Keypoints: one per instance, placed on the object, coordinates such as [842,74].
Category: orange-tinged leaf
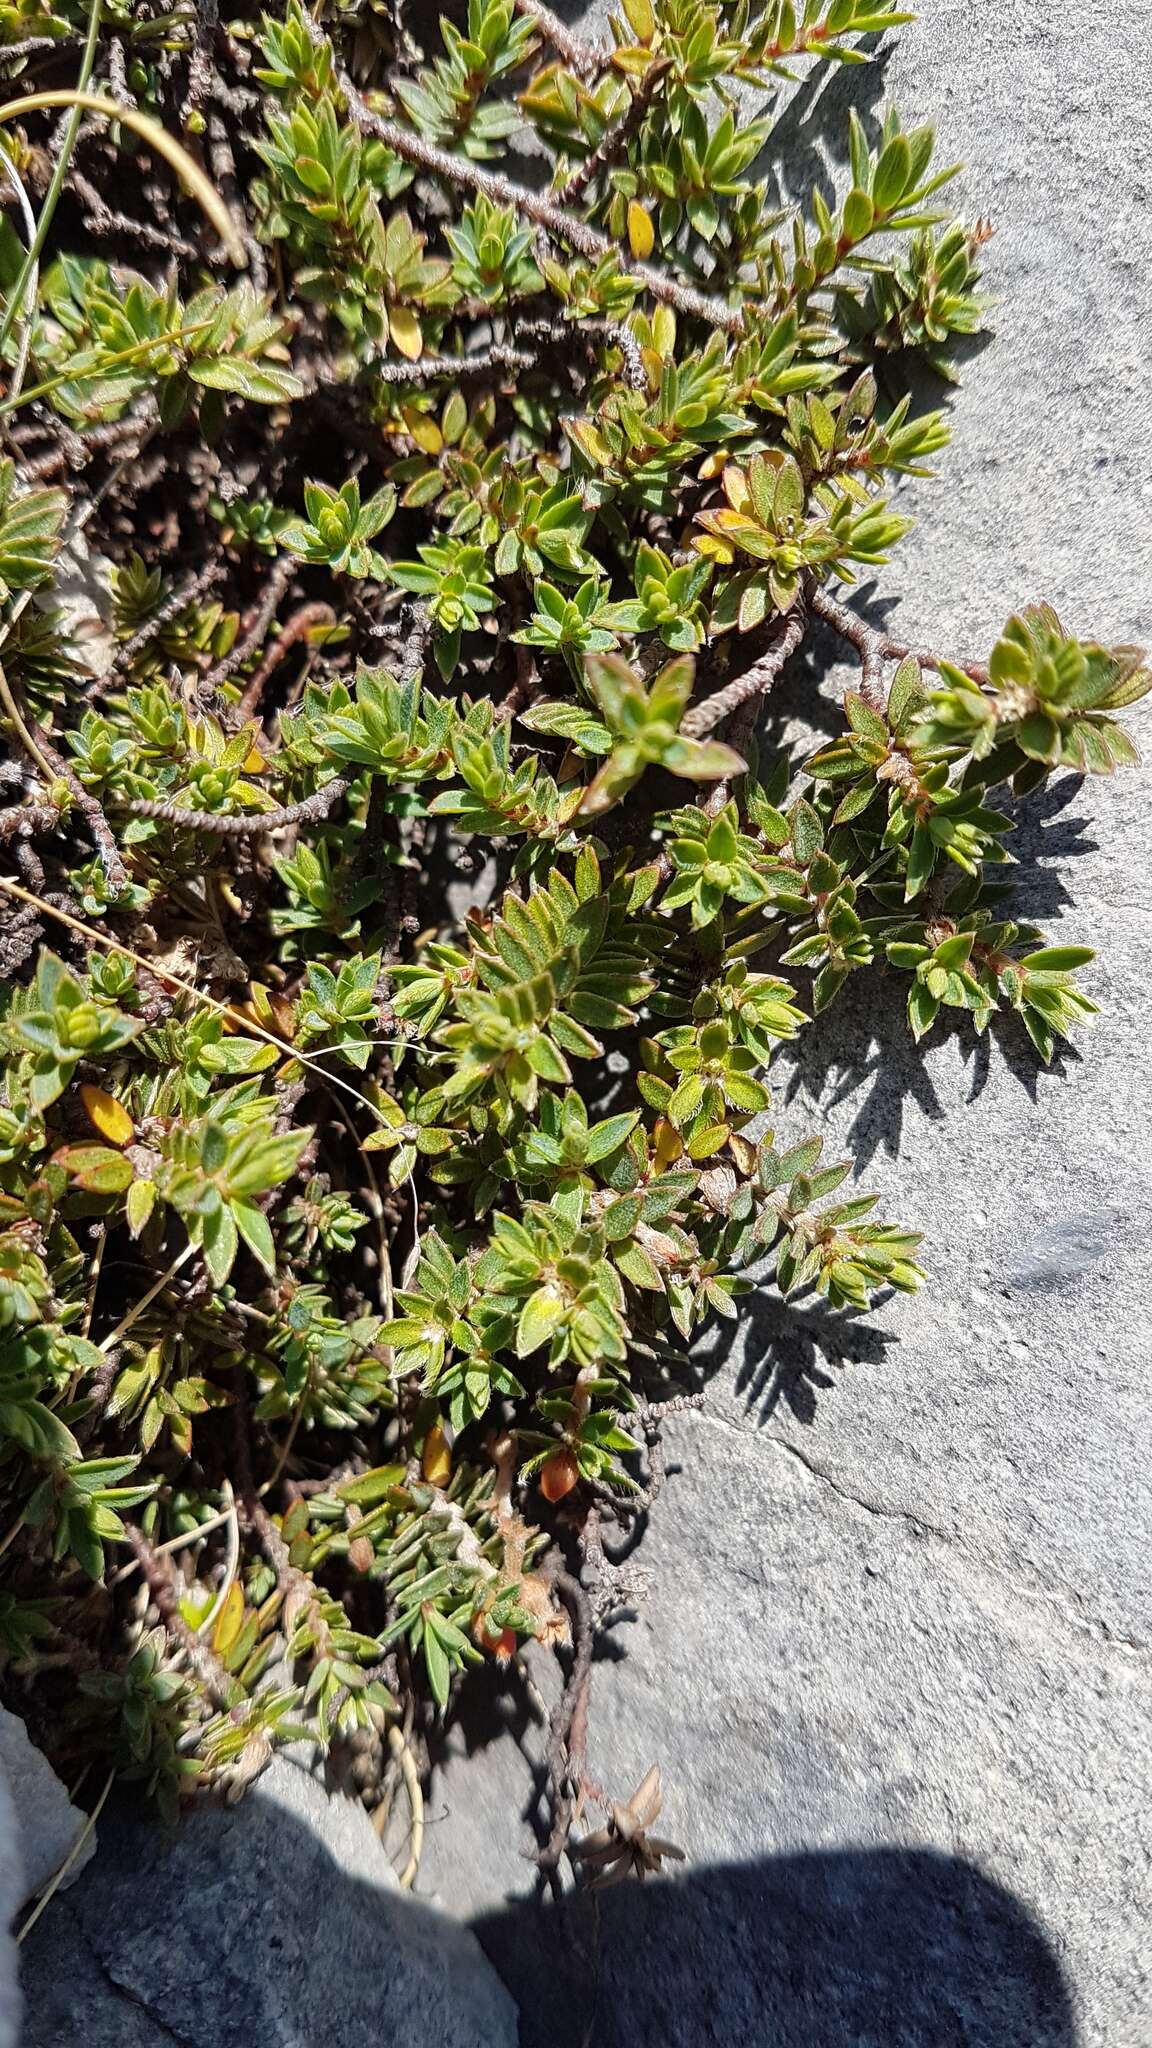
[436,1458]
[95,1168]
[405,330]
[106,1115]
[736,488]
[499,1642]
[559,1474]
[641,233]
[254,763]
[284,1014]
[269,1009]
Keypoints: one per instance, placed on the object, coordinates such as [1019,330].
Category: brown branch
[703,718]
[233,825]
[102,219]
[291,633]
[223,168]
[562,333]
[118,74]
[27,821]
[615,139]
[868,642]
[568,1730]
[525,687]
[204,1664]
[976,671]
[279,578]
[503,355]
[77,451]
[580,56]
[657,1411]
[30,47]
[200,62]
[876,647]
[578,234]
[178,601]
[500,356]
[740,735]
[91,810]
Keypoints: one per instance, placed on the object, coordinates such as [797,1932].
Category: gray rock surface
[11,1893]
[896,1662]
[38,1826]
[277,1924]
[46,1822]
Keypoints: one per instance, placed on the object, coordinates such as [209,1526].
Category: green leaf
[906,696]
[220,1241]
[40,1432]
[437,1666]
[261,384]
[703,760]
[97,1168]
[892,174]
[1058,959]
[921,861]
[256,1231]
[807,832]
[539,1317]
[605,1137]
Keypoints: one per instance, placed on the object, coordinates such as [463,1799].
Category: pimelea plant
[401,532]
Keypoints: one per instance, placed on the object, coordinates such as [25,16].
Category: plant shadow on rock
[812,1949]
[790,1355]
[804,1949]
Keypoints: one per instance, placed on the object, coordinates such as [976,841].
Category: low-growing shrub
[418,473]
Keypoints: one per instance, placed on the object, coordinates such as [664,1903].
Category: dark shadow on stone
[841,1948]
[862,1047]
[791,1354]
[808,145]
[1046,837]
[241,1928]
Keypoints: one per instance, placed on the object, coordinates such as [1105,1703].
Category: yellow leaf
[404,328]
[641,233]
[669,1145]
[436,1459]
[140,1204]
[633,60]
[107,1116]
[254,763]
[641,19]
[664,330]
[736,488]
[424,431]
[230,1620]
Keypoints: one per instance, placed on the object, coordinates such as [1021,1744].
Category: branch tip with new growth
[546,213]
